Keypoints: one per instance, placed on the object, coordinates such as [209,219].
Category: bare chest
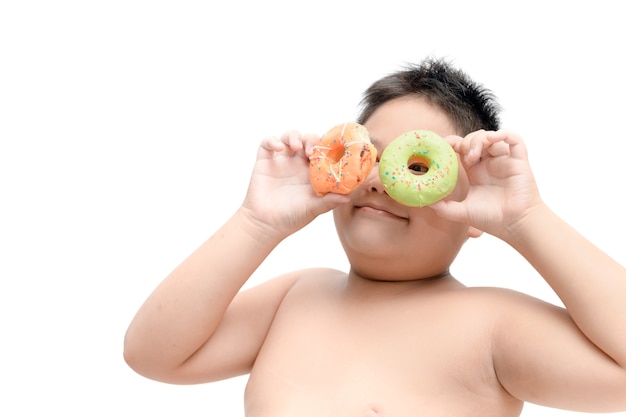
[386,360]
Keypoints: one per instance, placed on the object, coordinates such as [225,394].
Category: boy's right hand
[280,199]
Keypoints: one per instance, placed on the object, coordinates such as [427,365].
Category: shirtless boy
[397,335]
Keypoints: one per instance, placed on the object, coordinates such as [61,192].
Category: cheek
[337,215]
[440,239]
[341,217]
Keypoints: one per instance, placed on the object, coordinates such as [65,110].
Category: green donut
[418,168]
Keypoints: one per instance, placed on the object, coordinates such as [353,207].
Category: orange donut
[342,159]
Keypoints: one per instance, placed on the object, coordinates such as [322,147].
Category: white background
[128,130]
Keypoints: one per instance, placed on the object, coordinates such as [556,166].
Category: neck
[358,285]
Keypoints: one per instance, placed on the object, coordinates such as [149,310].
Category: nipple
[372,411]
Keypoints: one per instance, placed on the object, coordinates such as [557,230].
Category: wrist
[262,232]
[530,226]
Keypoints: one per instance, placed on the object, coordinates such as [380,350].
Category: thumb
[327,202]
[451,210]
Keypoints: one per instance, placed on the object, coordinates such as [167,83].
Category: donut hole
[335,154]
[418,165]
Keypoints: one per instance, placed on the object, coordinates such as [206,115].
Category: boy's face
[384,239]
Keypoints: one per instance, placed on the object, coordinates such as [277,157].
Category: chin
[383,273]
[391,266]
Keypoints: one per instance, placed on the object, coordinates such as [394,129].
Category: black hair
[469,105]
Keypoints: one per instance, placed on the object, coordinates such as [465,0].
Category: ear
[473,232]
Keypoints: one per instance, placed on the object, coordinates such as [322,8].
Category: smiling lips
[379,210]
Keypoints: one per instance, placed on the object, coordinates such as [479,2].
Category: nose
[372,181]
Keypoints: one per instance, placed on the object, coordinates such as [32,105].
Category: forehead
[401,115]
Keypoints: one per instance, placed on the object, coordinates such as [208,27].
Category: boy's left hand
[501,188]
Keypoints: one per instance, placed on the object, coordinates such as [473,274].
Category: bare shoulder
[505,299]
[279,286]
[321,278]
[513,315]
[263,301]
[517,315]
[245,324]
[271,294]
[311,285]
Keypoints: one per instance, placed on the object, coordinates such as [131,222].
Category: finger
[480,146]
[514,143]
[269,146]
[452,210]
[498,149]
[327,202]
[293,140]
[517,146]
[454,141]
[472,147]
[310,140]
[464,145]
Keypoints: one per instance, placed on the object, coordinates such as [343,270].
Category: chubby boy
[396,335]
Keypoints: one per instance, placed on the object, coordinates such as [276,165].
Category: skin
[397,335]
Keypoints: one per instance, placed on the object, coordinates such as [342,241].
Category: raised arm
[573,358]
[196,326]
[591,284]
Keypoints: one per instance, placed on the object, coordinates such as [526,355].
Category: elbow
[140,359]
[145,363]
[139,362]
[134,357]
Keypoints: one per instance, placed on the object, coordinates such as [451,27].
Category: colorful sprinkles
[413,189]
[342,159]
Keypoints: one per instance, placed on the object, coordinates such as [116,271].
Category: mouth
[373,209]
